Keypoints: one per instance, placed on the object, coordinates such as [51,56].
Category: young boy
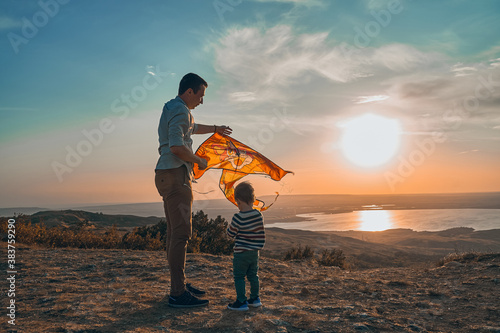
[247,227]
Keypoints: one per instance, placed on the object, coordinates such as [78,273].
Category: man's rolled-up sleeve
[178,127]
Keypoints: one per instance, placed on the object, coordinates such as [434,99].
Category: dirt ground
[92,291]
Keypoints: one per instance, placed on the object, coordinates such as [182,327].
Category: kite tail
[264,207]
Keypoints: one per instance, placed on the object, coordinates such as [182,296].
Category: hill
[390,248]
[20,210]
[106,291]
[98,220]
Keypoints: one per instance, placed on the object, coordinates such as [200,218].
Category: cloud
[425,89]
[243,96]
[277,57]
[269,62]
[315,78]
[400,57]
[460,70]
[370,99]
[495,63]
[468,151]
[438,100]
[481,85]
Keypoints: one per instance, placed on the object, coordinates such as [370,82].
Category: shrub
[208,235]
[460,257]
[159,229]
[333,257]
[299,253]
[111,238]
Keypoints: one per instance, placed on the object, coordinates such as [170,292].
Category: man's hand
[223,130]
[202,163]
[185,154]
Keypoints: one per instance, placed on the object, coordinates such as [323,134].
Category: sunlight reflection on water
[375,220]
[372,218]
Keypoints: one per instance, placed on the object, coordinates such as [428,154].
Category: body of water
[416,219]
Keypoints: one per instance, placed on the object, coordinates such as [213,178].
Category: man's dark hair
[244,192]
[192,81]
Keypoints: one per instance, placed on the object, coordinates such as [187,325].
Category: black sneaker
[254,302]
[193,290]
[186,300]
[238,306]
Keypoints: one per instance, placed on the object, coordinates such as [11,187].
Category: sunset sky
[354,97]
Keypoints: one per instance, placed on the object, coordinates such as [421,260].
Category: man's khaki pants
[174,185]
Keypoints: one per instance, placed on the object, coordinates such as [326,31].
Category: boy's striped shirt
[248,229]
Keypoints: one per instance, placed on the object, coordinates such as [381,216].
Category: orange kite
[236,161]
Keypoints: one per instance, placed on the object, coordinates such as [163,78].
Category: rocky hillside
[93,291]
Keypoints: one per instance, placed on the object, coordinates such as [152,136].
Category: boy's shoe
[254,302]
[186,300]
[238,306]
[194,290]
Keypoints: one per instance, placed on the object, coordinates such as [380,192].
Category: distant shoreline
[297,209]
[379,220]
[9,212]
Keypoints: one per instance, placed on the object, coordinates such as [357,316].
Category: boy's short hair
[244,192]
[192,81]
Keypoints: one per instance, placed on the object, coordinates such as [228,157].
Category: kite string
[203,192]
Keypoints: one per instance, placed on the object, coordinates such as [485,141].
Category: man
[173,180]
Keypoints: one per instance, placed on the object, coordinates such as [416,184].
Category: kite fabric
[236,161]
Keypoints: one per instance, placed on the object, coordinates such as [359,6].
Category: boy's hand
[202,163]
[223,130]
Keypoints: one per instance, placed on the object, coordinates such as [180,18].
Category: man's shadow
[150,317]
[159,311]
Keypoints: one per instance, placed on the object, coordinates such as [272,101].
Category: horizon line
[83,205]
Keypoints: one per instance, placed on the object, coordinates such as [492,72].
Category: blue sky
[108,67]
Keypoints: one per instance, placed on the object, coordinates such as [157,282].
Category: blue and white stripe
[248,230]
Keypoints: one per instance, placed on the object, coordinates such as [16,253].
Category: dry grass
[75,290]
[463,257]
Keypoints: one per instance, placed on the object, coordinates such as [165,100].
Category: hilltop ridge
[71,217]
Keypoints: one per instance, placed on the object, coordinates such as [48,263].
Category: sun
[370,140]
